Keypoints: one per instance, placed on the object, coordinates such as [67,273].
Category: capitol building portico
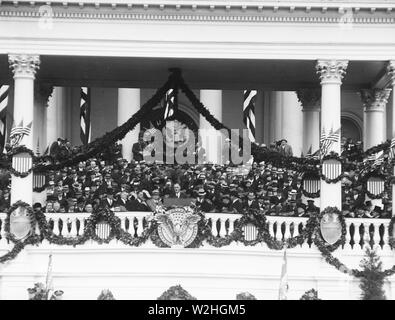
[317,66]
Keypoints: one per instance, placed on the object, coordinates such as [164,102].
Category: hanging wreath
[106,216]
[257,220]
[29,215]
[20,174]
[318,238]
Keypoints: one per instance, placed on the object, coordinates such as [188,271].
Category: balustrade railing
[360,232]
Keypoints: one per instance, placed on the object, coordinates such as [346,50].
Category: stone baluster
[287,232]
[358,237]
[73,230]
[140,228]
[82,226]
[376,234]
[56,230]
[295,226]
[123,222]
[222,228]
[231,225]
[366,236]
[347,244]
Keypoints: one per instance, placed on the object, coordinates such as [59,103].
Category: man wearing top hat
[203,203]
[236,205]
[108,201]
[250,203]
[155,201]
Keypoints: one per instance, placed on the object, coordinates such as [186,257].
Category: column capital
[24,65]
[309,98]
[331,71]
[391,71]
[374,99]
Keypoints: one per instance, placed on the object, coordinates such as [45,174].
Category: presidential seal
[331,228]
[177,227]
[21,221]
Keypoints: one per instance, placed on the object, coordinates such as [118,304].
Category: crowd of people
[112,182]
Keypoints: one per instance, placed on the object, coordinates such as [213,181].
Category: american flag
[49,278]
[85,115]
[392,150]
[4,93]
[326,141]
[170,104]
[18,132]
[379,159]
[283,291]
[249,112]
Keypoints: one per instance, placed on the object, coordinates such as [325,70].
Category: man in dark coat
[137,149]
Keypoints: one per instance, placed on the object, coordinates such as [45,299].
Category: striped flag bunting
[250,232]
[249,112]
[326,141]
[170,104]
[85,115]
[312,185]
[331,169]
[4,94]
[22,162]
[375,186]
[283,291]
[18,132]
[38,180]
[103,230]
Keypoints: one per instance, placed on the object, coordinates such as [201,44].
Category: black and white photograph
[212,150]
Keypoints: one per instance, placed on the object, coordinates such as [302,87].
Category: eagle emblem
[178,227]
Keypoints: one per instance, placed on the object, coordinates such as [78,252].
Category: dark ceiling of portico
[199,73]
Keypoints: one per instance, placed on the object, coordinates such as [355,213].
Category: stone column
[24,68]
[128,104]
[374,103]
[41,95]
[310,100]
[211,138]
[391,74]
[56,115]
[291,121]
[331,73]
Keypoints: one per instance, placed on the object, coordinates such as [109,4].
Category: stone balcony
[208,272]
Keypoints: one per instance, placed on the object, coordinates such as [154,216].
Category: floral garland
[256,219]
[99,144]
[21,149]
[40,189]
[311,194]
[319,241]
[329,258]
[205,234]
